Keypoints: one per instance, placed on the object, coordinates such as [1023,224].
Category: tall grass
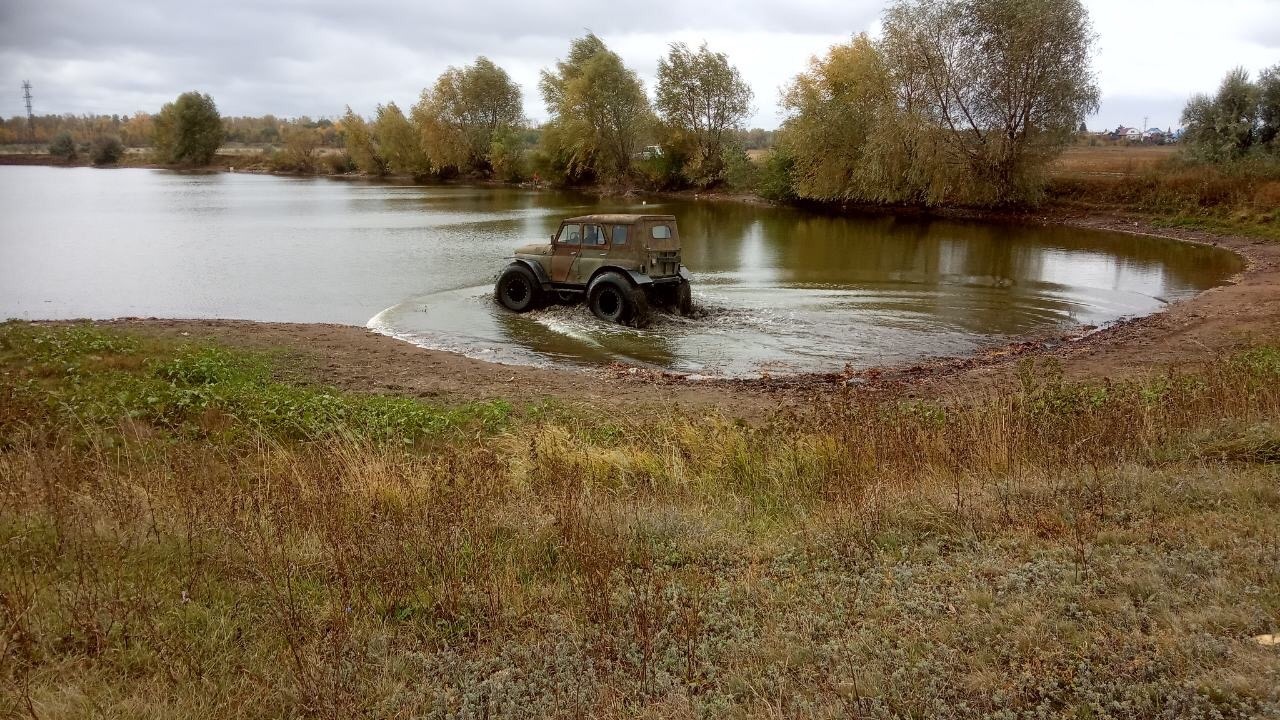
[1049,549]
[1243,196]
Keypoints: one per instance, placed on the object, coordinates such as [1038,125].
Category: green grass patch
[94,378]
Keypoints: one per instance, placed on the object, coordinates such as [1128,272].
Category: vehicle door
[564,252]
[595,252]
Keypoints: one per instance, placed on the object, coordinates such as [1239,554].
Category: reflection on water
[781,290]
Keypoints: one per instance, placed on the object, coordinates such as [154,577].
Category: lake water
[782,290]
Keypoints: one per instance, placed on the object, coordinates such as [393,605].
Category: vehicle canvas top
[618,219]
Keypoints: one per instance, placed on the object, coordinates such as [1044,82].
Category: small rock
[1272,640]
[856,381]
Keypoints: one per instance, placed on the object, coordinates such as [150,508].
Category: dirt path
[1190,331]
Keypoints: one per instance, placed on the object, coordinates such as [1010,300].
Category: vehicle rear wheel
[518,289]
[684,299]
[613,298]
[674,297]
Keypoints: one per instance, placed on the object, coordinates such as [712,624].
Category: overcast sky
[301,57]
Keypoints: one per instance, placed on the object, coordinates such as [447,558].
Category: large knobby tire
[674,297]
[684,299]
[614,299]
[518,289]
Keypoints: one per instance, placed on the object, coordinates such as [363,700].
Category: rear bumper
[681,276]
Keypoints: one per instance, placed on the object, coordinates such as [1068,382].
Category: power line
[31,119]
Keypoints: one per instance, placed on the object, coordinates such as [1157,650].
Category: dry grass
[1242,198]
[1113,160]
[1049,550]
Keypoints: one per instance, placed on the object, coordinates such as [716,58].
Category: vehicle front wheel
[613,298]
[517,289]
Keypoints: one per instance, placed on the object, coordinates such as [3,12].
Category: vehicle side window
[620,234]
[592,235]
[570,235]
[660,232]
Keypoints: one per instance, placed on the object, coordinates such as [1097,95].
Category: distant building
[1126,133]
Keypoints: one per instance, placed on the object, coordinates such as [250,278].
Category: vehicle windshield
[570,235]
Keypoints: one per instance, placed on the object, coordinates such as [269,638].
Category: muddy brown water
[779,290]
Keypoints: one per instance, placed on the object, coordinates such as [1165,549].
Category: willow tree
[1006,82]
[1243,117]
[703,99]
[467,110]
[361,145]
[834,110]
[399,142]
[598,109]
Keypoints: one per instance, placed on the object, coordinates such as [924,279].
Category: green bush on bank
[63,147]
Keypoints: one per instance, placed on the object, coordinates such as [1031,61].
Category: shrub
[774,178]
[340,163]
[106,150]
[740,173]
[63,147]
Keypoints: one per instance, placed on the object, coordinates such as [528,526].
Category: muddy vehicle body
[621,265]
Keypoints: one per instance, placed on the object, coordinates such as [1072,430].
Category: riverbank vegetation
[963,102]
[1226,176]
[193,531]
[956,103]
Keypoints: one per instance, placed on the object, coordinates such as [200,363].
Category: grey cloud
[293,58]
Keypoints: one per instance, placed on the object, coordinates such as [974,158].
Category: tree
[1242,118]
[361,145]
[704,99]
[1007,81]
[1224,127]
[963,101]
[1269,108]
[106,150]
[834,110]
[63,146]
[138,130]
[466,112]
[506,155]
[301,148]
[598,110]
[399,142]
[188,130]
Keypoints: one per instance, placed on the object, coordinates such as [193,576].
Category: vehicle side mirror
[553,237]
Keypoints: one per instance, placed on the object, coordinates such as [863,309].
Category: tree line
[959,101]
[602,127]
[956,102]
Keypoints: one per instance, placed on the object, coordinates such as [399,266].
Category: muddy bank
[353,358]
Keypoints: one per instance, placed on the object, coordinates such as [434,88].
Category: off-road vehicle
[622,265]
